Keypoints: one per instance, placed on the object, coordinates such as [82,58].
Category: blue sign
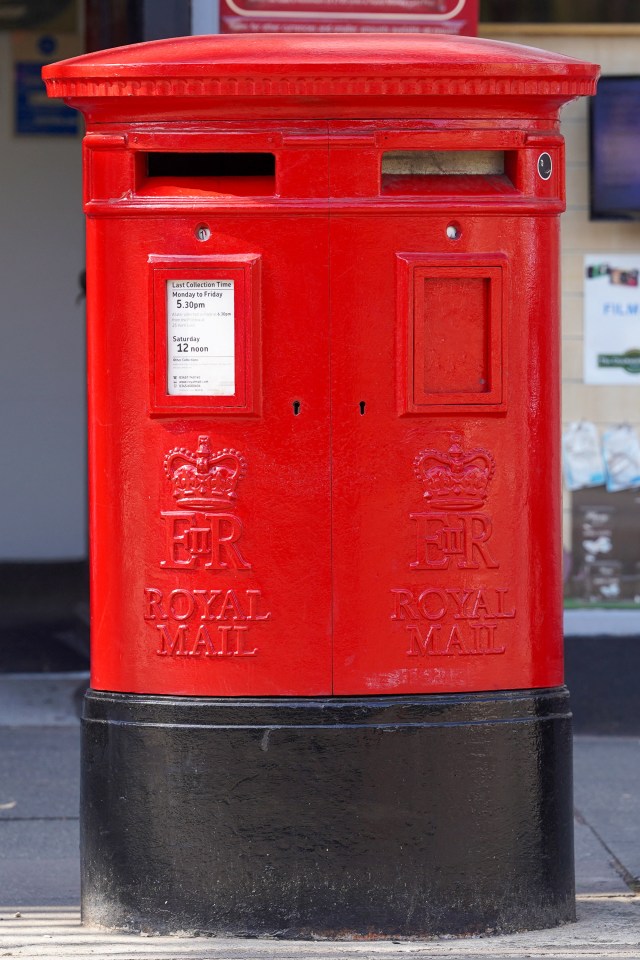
[34,111]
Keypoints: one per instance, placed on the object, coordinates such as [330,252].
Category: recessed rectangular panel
[204,335]
[451,335]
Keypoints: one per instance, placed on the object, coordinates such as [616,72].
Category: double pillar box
[327,688]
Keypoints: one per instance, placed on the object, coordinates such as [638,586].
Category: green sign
[629,361]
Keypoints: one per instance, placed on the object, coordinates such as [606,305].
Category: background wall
[42,380]
[617,50]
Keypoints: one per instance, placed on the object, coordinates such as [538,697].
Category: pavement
[39,869]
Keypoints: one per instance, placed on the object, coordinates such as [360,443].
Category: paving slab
[40,861]
[607,797]
[39,772]
[595,867]
[37,700]
[607,927]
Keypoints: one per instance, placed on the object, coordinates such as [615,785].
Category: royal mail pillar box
[327,690]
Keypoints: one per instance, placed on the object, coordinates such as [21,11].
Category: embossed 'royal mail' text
[450,621]
[204,623]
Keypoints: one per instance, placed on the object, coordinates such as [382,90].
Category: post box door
[442,569]
[224,574]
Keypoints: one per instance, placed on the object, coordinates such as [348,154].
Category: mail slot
[327,685]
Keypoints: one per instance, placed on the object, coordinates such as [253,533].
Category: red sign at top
[349,16]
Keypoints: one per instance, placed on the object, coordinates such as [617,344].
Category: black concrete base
[347,817]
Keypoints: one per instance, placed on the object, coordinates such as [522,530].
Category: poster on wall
[612,319]
[349,16]
[604,566]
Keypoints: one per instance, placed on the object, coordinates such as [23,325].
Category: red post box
[327,689]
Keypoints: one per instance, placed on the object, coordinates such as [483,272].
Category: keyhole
[296,407]
[362,406]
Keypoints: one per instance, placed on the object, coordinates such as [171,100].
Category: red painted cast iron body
[371,505]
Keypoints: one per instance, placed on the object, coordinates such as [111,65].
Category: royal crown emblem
[203,478]
[457,479]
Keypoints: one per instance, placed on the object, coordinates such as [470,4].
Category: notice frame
[232,282]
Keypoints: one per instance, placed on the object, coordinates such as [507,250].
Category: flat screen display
[615,149]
